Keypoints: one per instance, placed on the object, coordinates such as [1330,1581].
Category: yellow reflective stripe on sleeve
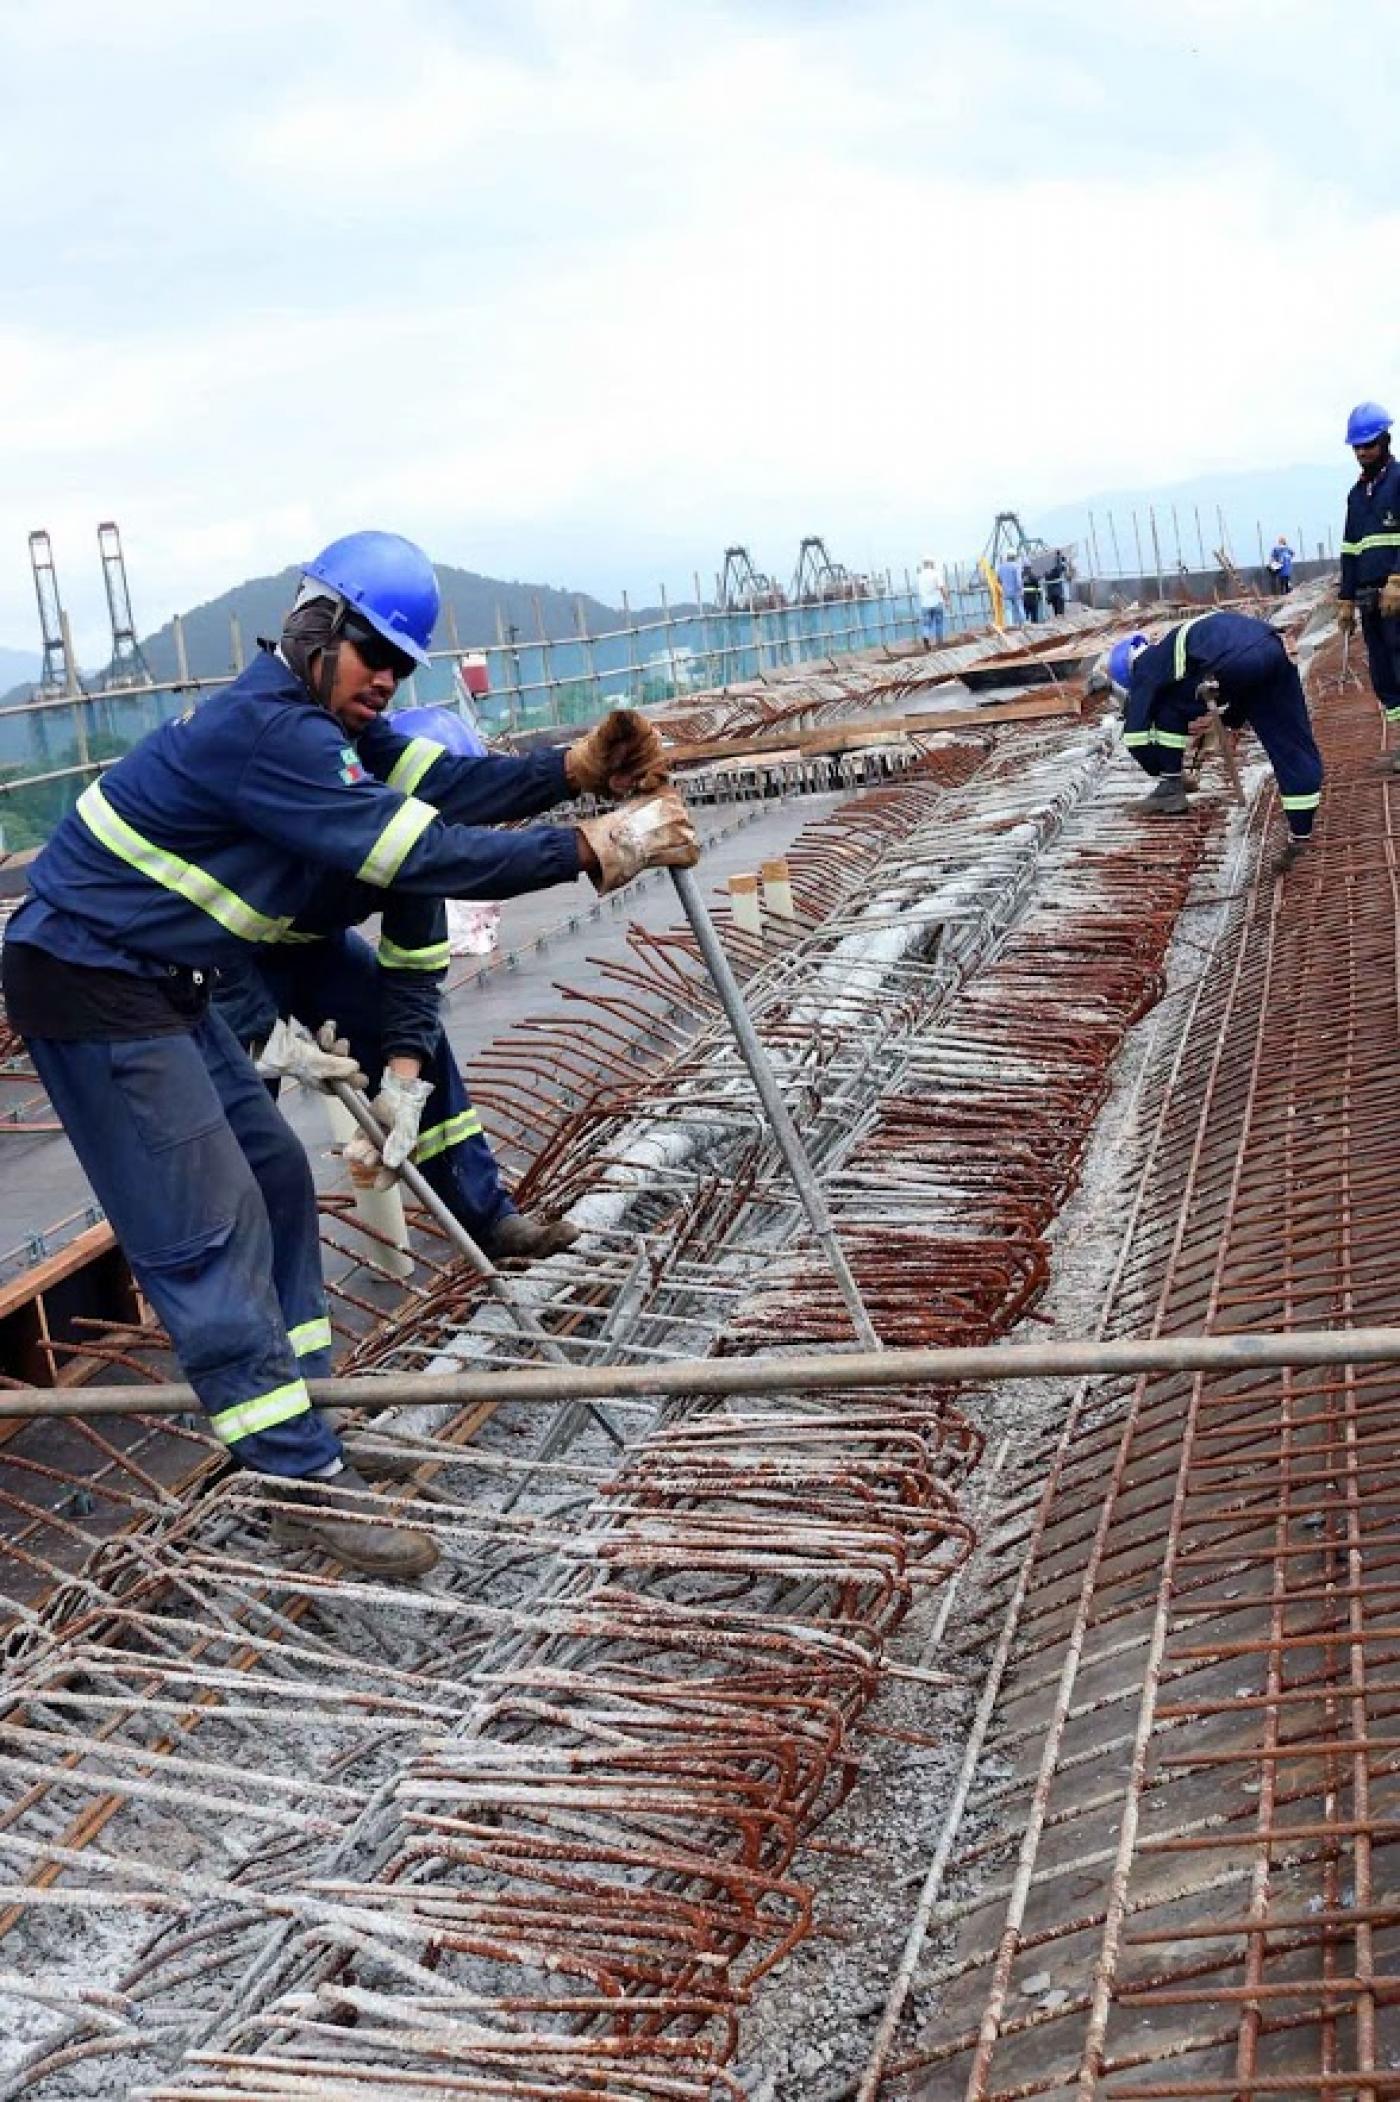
[435,956]
[261,1412]
[1359,547]
[1302,802]
[1179,647]
[293,936]
[438,1137]
[395,843]
[193,884]
[411,764]
[310,1335]
[1174,740]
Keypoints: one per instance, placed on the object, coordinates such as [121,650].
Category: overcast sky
[582,290]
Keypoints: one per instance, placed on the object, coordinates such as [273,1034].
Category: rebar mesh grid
[573,1771]
[1171,1879]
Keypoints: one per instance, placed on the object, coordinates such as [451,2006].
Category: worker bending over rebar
[1257,684]
[208,841]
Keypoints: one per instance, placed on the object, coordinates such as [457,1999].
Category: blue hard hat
[1367,422]
[390,583]
[1120,659]
[443,726]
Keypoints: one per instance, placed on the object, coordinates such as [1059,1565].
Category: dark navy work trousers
[1382,639]
[210,1194]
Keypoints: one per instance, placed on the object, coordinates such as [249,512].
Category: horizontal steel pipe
[720,1377]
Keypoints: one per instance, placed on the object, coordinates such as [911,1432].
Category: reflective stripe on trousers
[261,1412]
[310,1336]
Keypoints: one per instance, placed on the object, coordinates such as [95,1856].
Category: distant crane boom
[60,673]
[128,666]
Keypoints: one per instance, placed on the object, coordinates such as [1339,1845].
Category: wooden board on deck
[852,733]
[89,1276]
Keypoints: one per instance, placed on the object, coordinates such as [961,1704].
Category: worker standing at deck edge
[210,836]
[1371,556]
[1258,684]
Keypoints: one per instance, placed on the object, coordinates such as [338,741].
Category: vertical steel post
[1156,550]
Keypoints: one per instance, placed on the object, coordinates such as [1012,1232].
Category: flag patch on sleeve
[351,770]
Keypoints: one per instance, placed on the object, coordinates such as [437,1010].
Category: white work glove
[293,1053]
[651,834]
[399,1109]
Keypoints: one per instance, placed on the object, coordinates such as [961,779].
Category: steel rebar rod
[794,1153]
[414,1180]
[717,1378]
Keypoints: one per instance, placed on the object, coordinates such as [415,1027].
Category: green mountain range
[475,602]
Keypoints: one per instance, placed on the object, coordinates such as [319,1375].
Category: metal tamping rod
[804,1176]
[417,1184]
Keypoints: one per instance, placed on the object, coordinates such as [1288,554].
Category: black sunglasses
[377,653]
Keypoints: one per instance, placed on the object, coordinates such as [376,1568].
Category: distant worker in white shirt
[933,600]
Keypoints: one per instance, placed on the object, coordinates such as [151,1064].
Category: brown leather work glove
[620,756]
[653,833]
[1390,597]
[1346,615]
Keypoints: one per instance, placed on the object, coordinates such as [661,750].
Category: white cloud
[586,291]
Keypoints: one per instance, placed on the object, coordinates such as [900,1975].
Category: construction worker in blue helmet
[206,842]
[1371,557]
[1254,681]
[387,1003]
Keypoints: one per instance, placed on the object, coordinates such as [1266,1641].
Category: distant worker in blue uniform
[1371,556]
[1257,684]
[387,1003]
[206,842]
[1009,578]
[1281,566]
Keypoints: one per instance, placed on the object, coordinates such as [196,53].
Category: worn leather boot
[522,1238]
[1168,799]
[357,1528]
[1289,855]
